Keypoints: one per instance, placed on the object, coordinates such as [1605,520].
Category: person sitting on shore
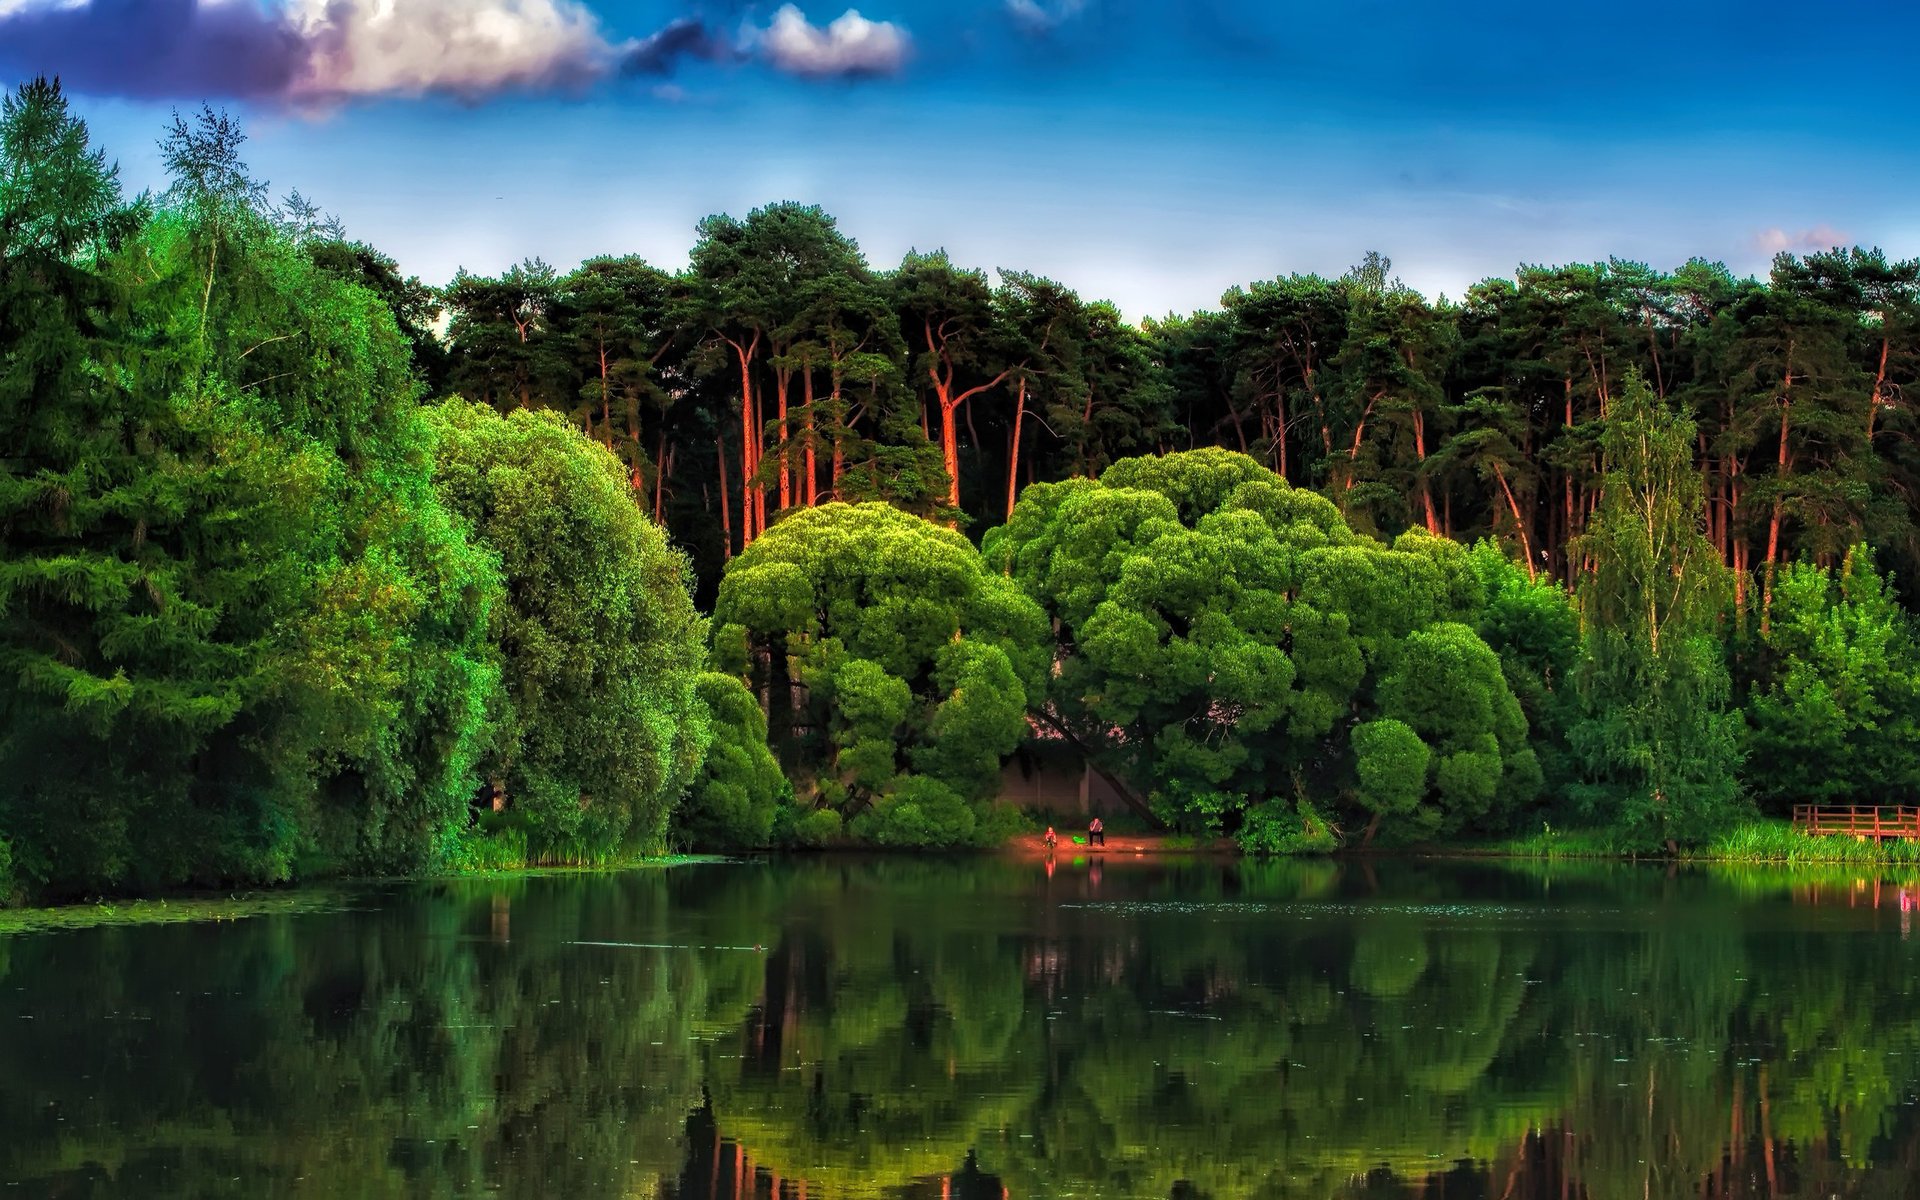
[1051,839]
[1096,833]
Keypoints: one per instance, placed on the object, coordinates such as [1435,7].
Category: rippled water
[982,1027]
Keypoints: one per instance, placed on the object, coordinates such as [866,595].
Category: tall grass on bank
[1757,841]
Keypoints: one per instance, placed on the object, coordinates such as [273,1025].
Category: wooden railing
[1857,821]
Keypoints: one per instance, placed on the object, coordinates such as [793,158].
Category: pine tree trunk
[606,400]
[1280,435]
[1519,523]
[726,517]
[1879,392]
[950,448]
[747,430]
[783,384]
[660,480]
[1783,466]
[1426,485]
[813,477]
[1013,457]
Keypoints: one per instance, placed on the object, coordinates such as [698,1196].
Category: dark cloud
[688,37]
[152,49]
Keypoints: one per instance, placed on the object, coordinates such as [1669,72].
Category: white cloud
[470,47]
[1040,16]
[9,7]
[850,45]
[1776,240]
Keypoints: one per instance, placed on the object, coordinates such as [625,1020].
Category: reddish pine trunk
[783,383]
[1426,486]
[1783,465]
[1567,517]
[950,450]
[941,373]
[813,483]
[1013,458]
[759,457]
[1519,523]
[748,439]
[1359,435]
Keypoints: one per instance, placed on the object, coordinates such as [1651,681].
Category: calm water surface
[907,1028]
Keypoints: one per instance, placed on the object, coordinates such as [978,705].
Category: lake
[984,1027]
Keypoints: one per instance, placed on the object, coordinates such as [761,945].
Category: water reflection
[985,1028]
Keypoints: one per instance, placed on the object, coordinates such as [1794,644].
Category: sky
[1149,152]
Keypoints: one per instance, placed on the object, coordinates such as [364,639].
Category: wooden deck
[1854,821]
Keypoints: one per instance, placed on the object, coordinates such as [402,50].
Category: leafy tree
[500,331]
[600,647]
[1658,742]
[416,308]
[739,788]
[911,665]
[1533,626]
[1222,633]
[1835,707]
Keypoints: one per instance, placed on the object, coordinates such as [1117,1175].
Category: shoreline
[1770,845]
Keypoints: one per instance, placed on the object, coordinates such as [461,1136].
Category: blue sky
[1149,153]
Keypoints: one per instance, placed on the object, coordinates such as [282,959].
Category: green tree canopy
[600,646]
[1223,632]
[737,793]
[1835,704]
[899,668]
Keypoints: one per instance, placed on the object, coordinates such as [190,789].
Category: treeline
[271,604]
[780,370]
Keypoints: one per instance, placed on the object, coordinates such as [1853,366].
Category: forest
[310,568]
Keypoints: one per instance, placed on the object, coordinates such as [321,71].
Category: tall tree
[1658,740]
[947,316]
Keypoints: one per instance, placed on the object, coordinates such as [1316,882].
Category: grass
[172,911]
[1779,842]
[336,896]
[1762,840]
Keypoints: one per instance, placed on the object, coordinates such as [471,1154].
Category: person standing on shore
[1096,833]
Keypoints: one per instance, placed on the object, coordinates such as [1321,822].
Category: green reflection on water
[912,1027]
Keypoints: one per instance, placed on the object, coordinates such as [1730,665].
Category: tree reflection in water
[910,1028]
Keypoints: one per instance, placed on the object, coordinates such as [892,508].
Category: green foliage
[1223,631]
[739,789]
[242,638]
[1531,624]
[913,665]
[600,648]
[1657,740]
[1834,708]
[1392,763]
[1449,689]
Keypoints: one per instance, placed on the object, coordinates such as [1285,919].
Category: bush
[740,787]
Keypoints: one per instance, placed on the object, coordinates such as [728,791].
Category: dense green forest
[309,567]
